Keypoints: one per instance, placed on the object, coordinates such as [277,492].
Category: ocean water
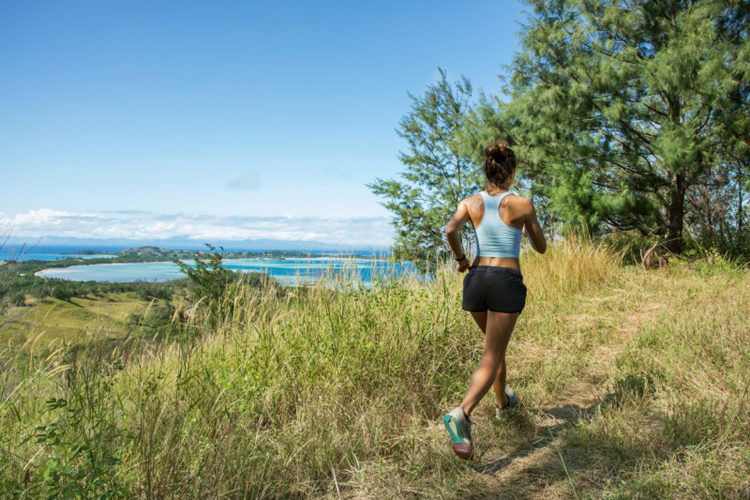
[47,252]
[294,272]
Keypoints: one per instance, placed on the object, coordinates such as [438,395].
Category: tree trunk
[675,214]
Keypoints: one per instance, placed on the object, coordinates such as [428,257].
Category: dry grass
[631,383]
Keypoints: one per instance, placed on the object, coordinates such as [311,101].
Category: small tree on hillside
[210,280]
[437,173]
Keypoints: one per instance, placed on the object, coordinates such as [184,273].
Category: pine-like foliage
[437,173]
[624,111]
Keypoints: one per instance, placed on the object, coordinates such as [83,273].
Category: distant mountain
[182,243]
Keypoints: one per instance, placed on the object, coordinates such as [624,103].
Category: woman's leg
[498,328]
[499,384]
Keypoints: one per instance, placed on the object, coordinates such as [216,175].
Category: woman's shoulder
[473,199]
[474,204]
[519,203]
[518,198]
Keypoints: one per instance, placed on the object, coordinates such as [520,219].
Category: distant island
[152,253]
[92,252]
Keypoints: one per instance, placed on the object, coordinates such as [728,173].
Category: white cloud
[38,217]
[135,224]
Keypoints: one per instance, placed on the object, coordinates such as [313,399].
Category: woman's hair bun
[499,163]
[497,150]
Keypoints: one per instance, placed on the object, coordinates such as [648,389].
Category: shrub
[19,299]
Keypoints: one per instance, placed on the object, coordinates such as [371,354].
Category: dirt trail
[539,467]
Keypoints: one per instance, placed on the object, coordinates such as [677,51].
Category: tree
[220,287]
[623,109]
[209,278]
[438,172]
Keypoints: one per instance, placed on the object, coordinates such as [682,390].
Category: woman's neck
[492,189]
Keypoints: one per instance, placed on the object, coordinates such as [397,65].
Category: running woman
[493,289]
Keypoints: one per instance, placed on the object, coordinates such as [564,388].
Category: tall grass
[335,390]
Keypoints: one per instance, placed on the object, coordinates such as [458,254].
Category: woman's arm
[458,220]
[534,230]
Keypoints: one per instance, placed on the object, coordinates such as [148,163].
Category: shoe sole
[464,451]
[460,448]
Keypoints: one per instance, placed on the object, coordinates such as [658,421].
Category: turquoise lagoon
[294,272]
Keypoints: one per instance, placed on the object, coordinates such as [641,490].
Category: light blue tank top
[495,238]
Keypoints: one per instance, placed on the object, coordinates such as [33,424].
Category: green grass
[78,319]
[631,384]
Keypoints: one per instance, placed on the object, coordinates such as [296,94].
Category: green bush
[209,278]
[19,299]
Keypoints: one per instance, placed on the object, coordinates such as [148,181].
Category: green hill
[148,251]
[631,384]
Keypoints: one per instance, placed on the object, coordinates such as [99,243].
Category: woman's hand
[463,265]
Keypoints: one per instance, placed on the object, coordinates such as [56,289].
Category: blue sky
[125,118]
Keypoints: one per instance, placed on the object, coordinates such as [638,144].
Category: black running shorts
[498,289]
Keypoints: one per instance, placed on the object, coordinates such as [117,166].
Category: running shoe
[459,427]
[501,410]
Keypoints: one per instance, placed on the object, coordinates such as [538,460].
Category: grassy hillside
[631,383]
[77,319]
